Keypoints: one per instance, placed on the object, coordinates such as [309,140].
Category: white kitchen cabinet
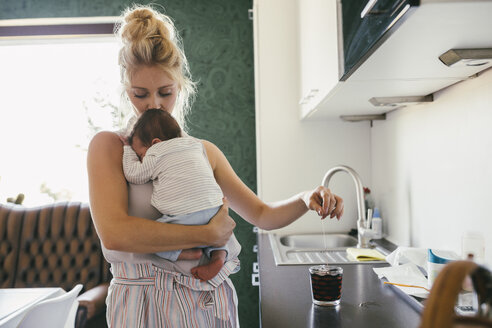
[412,51]
[406,64]
[318,44]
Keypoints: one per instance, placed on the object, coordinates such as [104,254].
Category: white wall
[429,166]
[293,156]
[432,168]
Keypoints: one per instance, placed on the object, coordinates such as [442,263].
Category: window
[55,94]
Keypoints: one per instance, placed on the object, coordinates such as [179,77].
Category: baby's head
[154,125]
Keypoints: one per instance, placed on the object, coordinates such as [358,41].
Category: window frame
[65,27]
[53,31]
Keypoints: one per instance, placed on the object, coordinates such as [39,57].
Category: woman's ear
[155,140]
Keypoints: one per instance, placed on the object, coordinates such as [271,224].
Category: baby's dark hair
[155,123]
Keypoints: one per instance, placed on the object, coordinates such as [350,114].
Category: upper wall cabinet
[319,55]
[387,50]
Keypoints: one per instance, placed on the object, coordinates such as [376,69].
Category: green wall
[218,41]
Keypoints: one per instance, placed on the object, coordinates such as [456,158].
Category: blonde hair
[150,38]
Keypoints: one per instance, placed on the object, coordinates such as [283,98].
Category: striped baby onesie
[182,178]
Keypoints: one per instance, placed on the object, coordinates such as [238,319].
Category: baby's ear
[155,140]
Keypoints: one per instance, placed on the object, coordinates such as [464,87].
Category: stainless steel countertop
[285,297]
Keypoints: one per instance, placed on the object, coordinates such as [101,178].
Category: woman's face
[151,87]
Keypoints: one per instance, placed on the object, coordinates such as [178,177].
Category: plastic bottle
[377,225]
[473,247]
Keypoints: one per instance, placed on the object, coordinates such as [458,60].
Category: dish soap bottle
[377,225]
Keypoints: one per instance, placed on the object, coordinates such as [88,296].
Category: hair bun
[142,24]
[139,14]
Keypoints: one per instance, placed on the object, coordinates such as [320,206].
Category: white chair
[58,312]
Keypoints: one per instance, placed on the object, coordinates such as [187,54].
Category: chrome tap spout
[364,232]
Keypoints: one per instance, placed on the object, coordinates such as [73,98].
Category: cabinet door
[318,40]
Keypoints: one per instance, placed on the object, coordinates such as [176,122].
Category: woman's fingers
[230,223]
[338,210]
[325,200]
[222,225]
[225,203]
[315,202]
[328,201]
[325,203]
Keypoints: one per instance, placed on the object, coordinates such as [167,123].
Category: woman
[148,291]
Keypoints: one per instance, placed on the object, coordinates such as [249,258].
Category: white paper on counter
[402,255]
[406,274]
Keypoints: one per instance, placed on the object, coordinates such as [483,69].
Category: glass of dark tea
[326,284]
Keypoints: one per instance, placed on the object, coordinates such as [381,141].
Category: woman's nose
[154,102]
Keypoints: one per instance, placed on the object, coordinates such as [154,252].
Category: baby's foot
[190,254]
[207,271]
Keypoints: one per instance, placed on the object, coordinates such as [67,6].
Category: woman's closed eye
[140,94]
[161,94]
[165,94]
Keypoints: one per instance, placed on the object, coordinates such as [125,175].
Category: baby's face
[139,148]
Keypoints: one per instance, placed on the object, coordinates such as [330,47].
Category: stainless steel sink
[314,248]
[318,241]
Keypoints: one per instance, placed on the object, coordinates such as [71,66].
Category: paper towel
[406,274]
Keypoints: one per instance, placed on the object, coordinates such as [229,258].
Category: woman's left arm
[269,216]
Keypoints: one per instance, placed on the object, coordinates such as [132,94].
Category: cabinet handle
[255,279]
[311,94]
[367,9]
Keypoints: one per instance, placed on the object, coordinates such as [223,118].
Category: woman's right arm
[109,208]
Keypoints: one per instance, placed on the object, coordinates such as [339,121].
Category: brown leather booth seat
[55,245]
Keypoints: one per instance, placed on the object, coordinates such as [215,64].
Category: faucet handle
[369,218]
[364,235]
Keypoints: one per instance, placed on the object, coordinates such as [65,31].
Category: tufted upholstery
[52,245]
[10,228]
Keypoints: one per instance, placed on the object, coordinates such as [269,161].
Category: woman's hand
[221,226]
[324,202]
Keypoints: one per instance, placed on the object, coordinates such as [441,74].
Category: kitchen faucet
[364,230]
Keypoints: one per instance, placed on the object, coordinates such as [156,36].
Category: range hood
[431,47]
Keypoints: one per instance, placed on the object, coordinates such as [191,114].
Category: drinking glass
[326,284]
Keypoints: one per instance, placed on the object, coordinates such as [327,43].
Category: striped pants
[143,295]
